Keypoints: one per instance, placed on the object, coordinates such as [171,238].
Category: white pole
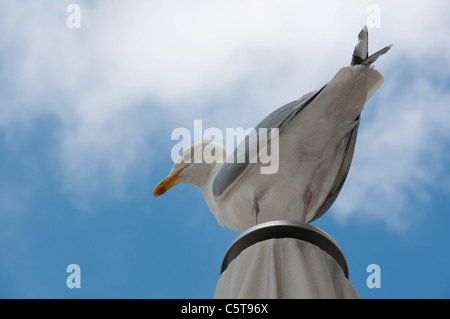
[285,260]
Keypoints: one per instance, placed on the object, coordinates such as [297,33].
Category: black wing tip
[371,59]
[361,52]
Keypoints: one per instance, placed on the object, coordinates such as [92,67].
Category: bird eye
[187,157]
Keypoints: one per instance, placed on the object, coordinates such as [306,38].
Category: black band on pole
[285,229]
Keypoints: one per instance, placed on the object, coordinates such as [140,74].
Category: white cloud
[135,68]
[400,151]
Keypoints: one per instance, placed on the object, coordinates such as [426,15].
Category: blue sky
[86,117]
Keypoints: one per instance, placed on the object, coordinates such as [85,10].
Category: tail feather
[361,52]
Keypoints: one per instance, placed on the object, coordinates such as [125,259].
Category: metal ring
[285,229]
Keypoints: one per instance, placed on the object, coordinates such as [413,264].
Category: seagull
[316,140]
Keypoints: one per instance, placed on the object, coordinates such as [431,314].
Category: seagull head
[194,165]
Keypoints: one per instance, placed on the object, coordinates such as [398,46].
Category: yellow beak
[168,182]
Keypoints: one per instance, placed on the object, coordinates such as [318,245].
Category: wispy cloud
[400,155]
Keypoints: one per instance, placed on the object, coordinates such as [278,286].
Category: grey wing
[239,161]
[347,156]
[283,115]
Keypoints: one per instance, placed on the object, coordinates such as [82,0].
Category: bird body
[310,156]
[316,140]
